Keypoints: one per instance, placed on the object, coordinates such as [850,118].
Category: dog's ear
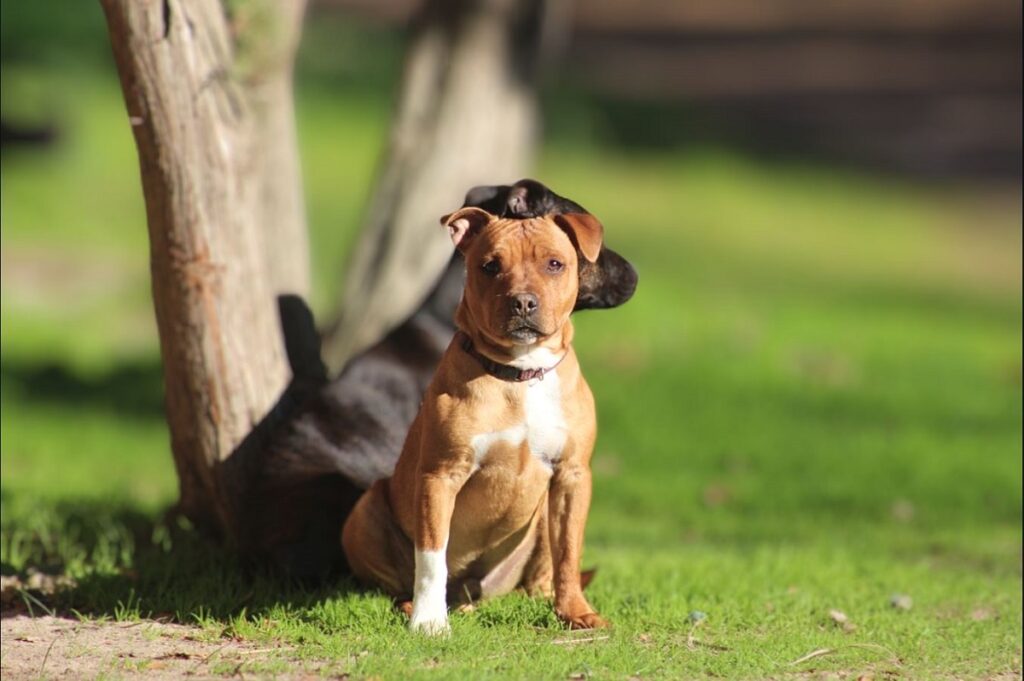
[464,224]
[490,198]
[585,230]
[609,282]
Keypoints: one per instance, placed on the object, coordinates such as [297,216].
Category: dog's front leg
[435,502]
[569,503]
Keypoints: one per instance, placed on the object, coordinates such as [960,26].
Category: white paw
[429,608]
[430,619]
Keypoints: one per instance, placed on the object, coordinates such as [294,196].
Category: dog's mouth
[523,331]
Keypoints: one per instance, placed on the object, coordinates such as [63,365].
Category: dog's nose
[524,304]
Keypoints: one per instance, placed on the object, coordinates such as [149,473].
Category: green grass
[813,403]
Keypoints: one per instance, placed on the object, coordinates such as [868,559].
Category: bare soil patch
[57,648]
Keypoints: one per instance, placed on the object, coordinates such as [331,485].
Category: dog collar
[505,372]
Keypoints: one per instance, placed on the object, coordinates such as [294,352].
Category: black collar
[503,371]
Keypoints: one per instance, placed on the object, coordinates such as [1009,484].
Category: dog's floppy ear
[585,230]
[609,282]
[490,198]
[464,224]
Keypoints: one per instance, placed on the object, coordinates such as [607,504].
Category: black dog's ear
[490,198]
[607,283]
[529,199]
[464,224]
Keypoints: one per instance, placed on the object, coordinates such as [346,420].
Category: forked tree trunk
[209,96]
[208,90]
[466,115]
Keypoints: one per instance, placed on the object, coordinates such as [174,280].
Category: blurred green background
[814,400]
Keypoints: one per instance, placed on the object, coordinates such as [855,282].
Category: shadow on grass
[133,389]
[127,564]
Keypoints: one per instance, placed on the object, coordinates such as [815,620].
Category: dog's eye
[555,265]
[492,267]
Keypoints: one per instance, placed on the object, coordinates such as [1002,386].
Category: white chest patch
[543,428]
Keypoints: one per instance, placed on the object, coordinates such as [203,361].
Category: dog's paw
[430,619]
[589,620]
[430,627]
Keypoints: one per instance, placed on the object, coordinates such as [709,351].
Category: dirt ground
[56,648]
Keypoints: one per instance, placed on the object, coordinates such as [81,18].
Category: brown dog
[492,489]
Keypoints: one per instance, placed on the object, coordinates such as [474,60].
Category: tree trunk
[208,92]
[466,116]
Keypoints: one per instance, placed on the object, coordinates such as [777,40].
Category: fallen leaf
[840,619]
[901,601]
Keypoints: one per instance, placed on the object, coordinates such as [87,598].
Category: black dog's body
[309,469]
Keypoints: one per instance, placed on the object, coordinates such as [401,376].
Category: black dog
[308,463]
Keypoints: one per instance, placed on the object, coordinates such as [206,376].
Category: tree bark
[208,92]
[466,115]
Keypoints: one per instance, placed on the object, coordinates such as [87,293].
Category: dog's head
[607,282]
[522,276]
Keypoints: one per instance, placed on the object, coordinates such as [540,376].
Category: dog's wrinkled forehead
[524,235]
[468,226]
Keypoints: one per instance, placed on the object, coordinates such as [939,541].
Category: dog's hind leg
[538,574]
[377,551]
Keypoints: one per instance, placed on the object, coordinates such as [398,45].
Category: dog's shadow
[109,559]
[112,558]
